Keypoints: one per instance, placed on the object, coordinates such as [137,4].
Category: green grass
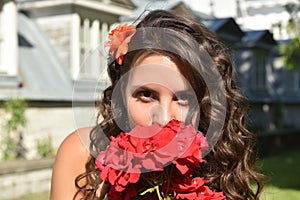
[275,193]
[282,169]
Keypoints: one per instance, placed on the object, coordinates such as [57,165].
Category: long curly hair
[230,164]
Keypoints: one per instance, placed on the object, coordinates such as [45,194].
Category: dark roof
[261,38]
[216,23]
[226,28]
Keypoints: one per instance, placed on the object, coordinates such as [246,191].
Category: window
[259,73]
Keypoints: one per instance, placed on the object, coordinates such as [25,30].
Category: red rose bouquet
[155,162]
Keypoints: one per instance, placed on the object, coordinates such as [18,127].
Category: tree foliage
[291,51]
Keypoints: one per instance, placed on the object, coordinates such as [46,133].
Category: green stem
[156,188]
[169,180]
[158,193]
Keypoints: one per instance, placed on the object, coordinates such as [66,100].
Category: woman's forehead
[157,69]
[156,58]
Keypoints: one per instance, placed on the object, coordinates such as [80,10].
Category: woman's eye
[184,99]
[145,96]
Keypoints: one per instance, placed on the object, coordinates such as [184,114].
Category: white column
[9,46]
[86,35]
[75,46]
[95,41]
[103,38]
[95,34]
[85,67]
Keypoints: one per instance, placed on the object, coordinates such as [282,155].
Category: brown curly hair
[230,162]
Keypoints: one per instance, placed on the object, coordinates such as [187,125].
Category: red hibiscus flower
[119,39]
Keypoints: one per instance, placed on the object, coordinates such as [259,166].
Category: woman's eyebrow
[140,87]
[133,88]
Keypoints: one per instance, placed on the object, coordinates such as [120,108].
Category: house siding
[58,29]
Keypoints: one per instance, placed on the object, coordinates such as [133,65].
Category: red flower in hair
[119,39]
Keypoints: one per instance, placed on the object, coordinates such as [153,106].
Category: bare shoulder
[70,161]
[73,148]
[74,144]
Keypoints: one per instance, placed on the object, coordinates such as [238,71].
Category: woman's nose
[162,113]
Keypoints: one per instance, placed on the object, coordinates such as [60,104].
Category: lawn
[282,169]
[275,193]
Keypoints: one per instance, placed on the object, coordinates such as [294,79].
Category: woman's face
[157,92]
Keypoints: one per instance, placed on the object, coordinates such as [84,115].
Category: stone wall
[53,123]
[23,177]
[43,123]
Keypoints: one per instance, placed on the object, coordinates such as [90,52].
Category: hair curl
[230,164]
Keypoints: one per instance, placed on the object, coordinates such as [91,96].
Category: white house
[44,45]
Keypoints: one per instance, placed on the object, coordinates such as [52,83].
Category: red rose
[115,163]
[207,194]
[191,144]
[187,185]
[194,188]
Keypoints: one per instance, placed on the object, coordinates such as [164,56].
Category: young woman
[167,67]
